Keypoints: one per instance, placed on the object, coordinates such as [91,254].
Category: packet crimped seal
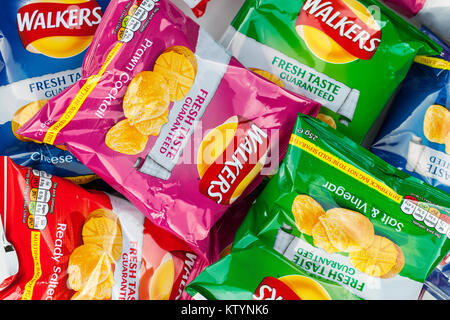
[51,228]
[165,181]
[432,14]
[344,54]
[404,137]
[400,223]
[41,51]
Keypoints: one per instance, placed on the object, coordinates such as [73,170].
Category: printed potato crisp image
[125,138]
[268,76]
[89,266]
[306,212]
[436,124]
[335,222]
[347,230]
[146,101]
[24,114]
[382,258]
[102,228]
[153,127]
[178,65]
[146,98]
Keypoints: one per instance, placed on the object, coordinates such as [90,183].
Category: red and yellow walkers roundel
[58,28]
[290,287]
[230,157]
[338,31]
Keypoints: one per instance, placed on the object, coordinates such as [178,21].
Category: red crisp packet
[60,241]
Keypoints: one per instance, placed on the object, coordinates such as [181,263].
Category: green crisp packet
[335,222]
[349,55]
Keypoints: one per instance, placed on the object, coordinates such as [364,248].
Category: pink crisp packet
[216,144]
[408,8]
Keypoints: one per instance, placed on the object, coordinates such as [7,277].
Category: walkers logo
[274,289]
[58,28]
[290,287]
[338,31]
[230,157]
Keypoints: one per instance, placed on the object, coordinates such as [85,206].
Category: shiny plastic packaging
[335,223]
[42,47]
[169,119]
[198,7]
[433,14]
[415,135]
[225,229]
[438,283]
[348,55]
[60,241]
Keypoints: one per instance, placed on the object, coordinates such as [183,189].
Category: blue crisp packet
[438,282]
[42,47]
[404,139]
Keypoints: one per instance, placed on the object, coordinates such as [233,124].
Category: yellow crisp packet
[269,76]
[147,97]
[153,127]
[102,228]
[124,138]
[178,65]
[306,213]
[88,266]
[382,258]
[436,123]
